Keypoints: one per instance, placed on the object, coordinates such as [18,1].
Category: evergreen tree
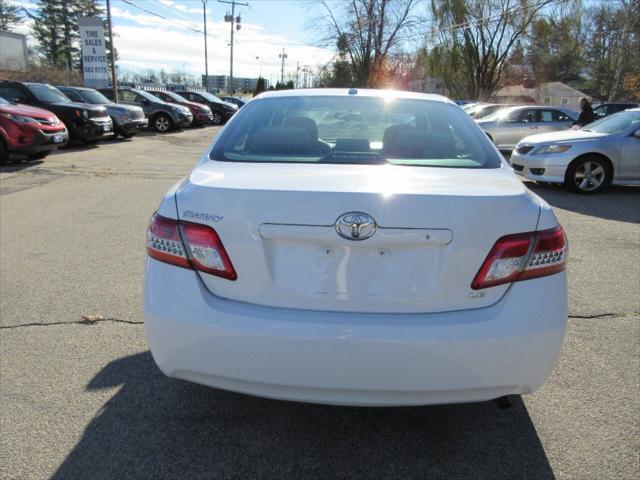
[260,86]
[48,32]
[57,31]
[9,15]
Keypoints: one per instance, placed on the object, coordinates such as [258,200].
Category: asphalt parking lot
[82,399]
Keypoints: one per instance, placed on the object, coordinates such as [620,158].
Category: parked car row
[38,118]
[542,145]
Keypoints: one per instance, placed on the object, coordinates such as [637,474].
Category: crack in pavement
[604,315]
[86,320]
[94,319]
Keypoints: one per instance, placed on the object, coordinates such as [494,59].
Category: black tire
[217,119]
[129,135]
[90,142]
[4,153]
[588,175]
[38,156]
[162,123]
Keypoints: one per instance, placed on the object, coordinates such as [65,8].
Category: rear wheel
[588,175]
[162,123]
[216,119]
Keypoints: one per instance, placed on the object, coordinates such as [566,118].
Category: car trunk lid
[433,229]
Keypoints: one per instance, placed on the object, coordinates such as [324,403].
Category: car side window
[11,93]
[127,96]
[558,116]
[546,116]
[139,99]
[524,115]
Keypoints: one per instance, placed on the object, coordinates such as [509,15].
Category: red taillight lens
[164,242]
[523,256]
[206,251]
[202,249]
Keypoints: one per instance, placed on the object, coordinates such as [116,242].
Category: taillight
[188,245]
[523,256]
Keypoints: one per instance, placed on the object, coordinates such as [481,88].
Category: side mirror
[20,100]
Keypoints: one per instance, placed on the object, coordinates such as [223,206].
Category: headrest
[303,122]
[280,140]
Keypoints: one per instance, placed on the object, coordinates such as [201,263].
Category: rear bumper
[354,359]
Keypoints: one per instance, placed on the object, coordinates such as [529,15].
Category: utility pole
[114,80]
[232,19]
[283,56]
[206,60]
[297,73]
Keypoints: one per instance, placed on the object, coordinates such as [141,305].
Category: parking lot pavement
[83,399]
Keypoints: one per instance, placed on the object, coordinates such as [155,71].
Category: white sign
[95,67]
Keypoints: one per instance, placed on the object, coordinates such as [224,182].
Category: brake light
[188,245]
[523,256]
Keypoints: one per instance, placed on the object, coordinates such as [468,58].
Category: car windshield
[616,123]
[148,96]
[95,97]
[210,97]
[48,93]
[175,96]
[355,130]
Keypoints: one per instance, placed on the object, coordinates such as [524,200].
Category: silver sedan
[587,160]
[508,126]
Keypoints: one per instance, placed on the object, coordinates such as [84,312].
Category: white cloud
[180,7]
[158,46]
[147,41]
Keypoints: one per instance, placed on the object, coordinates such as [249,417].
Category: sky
[146,41]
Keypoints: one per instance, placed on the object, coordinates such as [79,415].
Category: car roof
[360,92]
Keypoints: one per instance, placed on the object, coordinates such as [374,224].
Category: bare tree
[631,11]
[366,31]
[486,32]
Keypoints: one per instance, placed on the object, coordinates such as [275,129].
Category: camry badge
[355,226]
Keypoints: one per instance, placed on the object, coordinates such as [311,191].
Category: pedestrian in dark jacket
[586,114]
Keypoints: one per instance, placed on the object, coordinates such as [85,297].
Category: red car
[201,113]
[31,131]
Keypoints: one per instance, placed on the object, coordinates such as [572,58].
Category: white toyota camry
[356,247]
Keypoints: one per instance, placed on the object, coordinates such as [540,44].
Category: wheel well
[157,114]
[604,158]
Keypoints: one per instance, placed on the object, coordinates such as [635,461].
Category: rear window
[355,130]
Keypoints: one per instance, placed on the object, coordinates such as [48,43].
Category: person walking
[586,114]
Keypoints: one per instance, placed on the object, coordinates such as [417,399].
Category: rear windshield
[355,130]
